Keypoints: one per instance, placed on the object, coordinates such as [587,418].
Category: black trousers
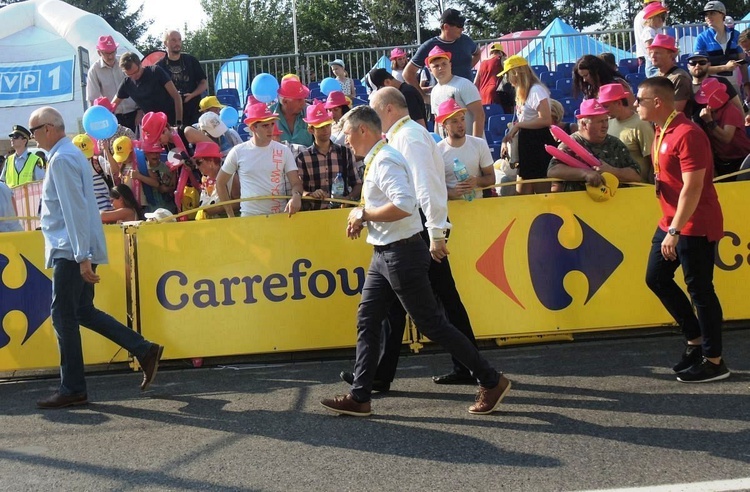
[400,273]
[449,301]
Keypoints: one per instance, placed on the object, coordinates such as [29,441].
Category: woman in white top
[533,119]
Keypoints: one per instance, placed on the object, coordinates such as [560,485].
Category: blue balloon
[264,87]
[229,116]
[99,122]
[329,84]
[437,138]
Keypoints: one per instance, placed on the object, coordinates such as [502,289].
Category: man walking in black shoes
[690,226]
[398,271]
[74,246]
[428,169]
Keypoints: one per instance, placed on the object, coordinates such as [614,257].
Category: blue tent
[562,43]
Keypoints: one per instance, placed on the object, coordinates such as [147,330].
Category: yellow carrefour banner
[562,262]
[250,285]
[27,340]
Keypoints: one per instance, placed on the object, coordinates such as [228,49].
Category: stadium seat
[555,94]
[628,65]
[539,69]
[566,69]
[358,101]
[570,105]
[496,128]
[360,91]
[491,110]
[549,78]
[229,97]
[313,85]
[317,94]
[244,133]
[565,86]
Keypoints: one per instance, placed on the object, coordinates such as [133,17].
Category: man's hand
[319,194]
[605,168]
[294,205]
[88,273]
[669,247]
[438,249]
[706,114]
[593,178]
[187,97]
[354,225]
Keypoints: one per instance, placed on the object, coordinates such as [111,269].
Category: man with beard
[186,73]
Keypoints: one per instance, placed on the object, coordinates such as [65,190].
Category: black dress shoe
[455,377]
[61,401]
[379,386]
[150,364]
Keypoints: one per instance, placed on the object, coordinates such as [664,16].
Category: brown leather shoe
[347,405]
[150,364]
[489,399]
[61,401]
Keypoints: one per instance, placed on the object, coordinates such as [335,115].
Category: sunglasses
[33,129]
[639,99]
[693,63]
[16,137]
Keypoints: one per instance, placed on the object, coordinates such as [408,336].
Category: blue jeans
[402,272]
[73,305]
[696,255]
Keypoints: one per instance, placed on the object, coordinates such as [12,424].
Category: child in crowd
[654,18]
[126,206]
[347,84]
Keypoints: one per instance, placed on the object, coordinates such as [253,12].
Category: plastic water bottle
[462,174]
[337,190]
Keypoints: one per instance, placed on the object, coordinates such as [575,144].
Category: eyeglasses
[639,99]
[693,63]
[16,137]
[33,129]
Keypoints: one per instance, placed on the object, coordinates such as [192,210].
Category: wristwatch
[673,232]
[360,214]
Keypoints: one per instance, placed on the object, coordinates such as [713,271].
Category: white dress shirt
[425,162]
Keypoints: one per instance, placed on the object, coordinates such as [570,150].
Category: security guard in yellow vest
[21,167]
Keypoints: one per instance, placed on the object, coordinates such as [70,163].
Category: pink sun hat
[336,99]
[106,44]
[397,53]
[591,107]
[259,112]
[653,9]
[448,109]
[103,101]
[293,89]
[663,41]
[611,92]
[437,52]
[317,116]
[152,126]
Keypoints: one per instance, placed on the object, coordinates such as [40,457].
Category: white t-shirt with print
[261,171]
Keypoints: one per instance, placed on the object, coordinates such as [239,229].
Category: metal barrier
[313,66]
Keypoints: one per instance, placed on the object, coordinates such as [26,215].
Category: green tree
[391,22]
[324,25]
[692,12]
[115,13]
[493,18]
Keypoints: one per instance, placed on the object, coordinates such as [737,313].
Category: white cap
[159,214]
[211,123]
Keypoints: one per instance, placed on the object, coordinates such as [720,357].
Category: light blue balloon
[99,122]
[264,87]
[437,138]
[329,84]
[229,116]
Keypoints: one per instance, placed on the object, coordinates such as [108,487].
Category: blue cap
[698,54]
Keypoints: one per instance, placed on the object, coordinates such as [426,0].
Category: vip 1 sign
[37,82]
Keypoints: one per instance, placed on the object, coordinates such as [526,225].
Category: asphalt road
[584,415]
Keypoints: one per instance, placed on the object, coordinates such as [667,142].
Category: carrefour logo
[175,290]
[32,298]
[549,261]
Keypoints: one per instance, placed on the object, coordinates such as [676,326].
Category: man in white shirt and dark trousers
[398,271]
[428,170]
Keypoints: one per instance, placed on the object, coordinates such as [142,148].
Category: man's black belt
[413,239]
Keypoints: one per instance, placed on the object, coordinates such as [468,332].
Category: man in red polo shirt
[690,226]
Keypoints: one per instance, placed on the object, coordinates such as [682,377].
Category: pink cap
[293,89]
[103,101]
[611,92]
[317,116]
[336,99]
[152,126]
[437,52]
[106,43]
[653,9]
[207,149]
[591,107]
[663,41]
[259,112]
[397,53]
[448,109]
